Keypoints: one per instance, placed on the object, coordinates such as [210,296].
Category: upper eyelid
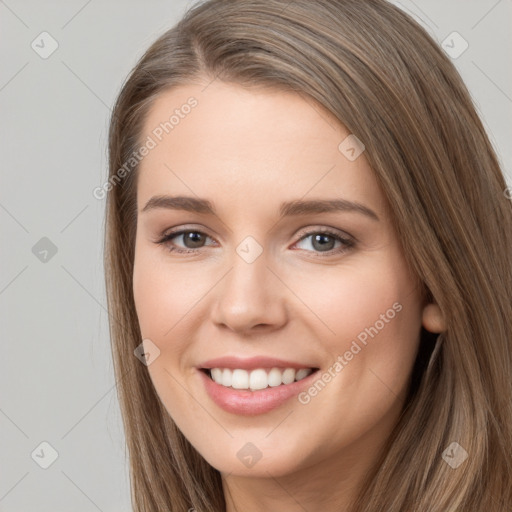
[303,233]
[347,241]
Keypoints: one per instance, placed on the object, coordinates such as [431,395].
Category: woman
[308,242]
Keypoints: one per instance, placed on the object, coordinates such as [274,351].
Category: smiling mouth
[257,379]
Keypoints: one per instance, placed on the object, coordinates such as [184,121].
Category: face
[271,277]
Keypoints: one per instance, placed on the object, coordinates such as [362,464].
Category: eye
[323,241]
[193,240]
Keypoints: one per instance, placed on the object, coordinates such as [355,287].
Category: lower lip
[249,403]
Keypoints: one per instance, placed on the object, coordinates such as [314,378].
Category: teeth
[288,375]
[274,377]
[216,374]
[303,372]
[257,379]
[240,379]
[226,377]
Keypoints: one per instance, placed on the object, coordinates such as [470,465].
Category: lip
[252,363]
[251,403]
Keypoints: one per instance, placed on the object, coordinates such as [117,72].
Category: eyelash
[347,242]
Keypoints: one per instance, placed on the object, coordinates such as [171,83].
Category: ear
[433,319]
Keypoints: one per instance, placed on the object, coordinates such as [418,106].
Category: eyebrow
[287,209]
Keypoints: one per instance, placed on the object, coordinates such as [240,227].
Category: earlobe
[433,319]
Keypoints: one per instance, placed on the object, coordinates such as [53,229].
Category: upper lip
[251,363]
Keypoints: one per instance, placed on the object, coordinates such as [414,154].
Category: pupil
[194,238]
[323,244]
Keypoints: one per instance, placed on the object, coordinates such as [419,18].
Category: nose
[250,297]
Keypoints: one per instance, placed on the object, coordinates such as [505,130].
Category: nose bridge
[249,294]
[249,268]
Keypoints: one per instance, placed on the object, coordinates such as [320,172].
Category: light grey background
[56,377]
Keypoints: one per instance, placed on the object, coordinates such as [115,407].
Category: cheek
[164,294]
[352,298]
[166,300]
[371,317]
[374,315]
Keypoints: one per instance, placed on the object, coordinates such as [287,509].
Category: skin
[246,151]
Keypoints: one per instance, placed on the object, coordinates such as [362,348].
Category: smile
[260,378]
[271,387]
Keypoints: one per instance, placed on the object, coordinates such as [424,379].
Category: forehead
[251,143]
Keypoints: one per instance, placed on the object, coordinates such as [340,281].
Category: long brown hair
[381,75]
